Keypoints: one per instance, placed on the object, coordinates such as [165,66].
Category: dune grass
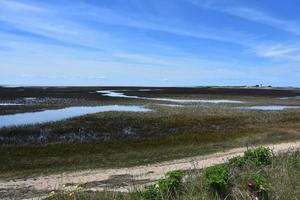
[275,178]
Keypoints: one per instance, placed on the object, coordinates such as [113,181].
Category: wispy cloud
[248,13]
[168,25]
[57,27]
[264,18]
[278,51]
[59,23]
[43,24]
[275,50]
[19,6]
[41,21]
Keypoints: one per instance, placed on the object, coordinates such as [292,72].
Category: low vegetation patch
[258,185]
[217,178]
[259,156]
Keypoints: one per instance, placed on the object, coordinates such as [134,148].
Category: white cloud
[171,26]
[276,50]
[264,18]
[19,6]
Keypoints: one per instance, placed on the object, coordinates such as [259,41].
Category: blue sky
[150,43]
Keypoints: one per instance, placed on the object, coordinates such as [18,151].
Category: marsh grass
[28,161]
[158,136]
[166,134]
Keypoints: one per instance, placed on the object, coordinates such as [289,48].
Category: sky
[150,43]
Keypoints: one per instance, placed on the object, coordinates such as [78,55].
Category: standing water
[61,114]
[111,93]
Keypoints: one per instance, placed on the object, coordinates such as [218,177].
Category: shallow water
[10,104]
[196,100]
[29,98]
[287,98]
[61,114]
[269,107]
[149,90]
[110,93]
[10,86]
[170,105]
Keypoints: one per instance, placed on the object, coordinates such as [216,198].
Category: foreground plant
[258,186]
[166,187]
[217,178]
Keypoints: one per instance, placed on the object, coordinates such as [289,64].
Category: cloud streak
[250,14]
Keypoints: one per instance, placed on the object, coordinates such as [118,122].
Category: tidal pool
[61,114]
[268,107]
[111,93]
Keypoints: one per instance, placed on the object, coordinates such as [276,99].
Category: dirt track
[124,179]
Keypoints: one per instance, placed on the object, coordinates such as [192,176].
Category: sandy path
[124,179]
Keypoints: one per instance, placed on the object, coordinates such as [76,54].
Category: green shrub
[259,156]
[152,192]
[238,161]
[171,182]
[167,186]
[258,185]
[217,178]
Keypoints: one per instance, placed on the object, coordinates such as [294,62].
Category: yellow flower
[52,193]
